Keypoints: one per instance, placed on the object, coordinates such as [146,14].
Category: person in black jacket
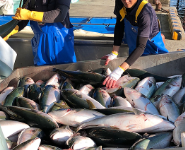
[53,41]
[137,22]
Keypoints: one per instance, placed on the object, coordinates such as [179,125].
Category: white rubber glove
[111,80]
[116,74]
[110,57]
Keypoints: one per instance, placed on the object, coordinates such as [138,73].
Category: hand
[14,31]
[109,57]
[22,14]
[111,80]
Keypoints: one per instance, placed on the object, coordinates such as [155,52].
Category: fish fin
[91,105]
[138,111]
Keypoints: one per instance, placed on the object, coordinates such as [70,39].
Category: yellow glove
[14,31]
[25,14]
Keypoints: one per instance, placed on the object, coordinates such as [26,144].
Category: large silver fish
[74,117]
[131,122]
[50,95]
[179,128]
[11,127]
[138,100]
[168,108]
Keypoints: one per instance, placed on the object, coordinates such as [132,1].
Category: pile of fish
[73,110]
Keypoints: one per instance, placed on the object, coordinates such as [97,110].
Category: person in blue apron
[137,25]
[53,41]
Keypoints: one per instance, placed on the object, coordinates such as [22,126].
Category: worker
[137,22]
[53,41]
[6,7]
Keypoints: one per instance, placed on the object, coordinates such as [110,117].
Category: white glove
[116,74]
[111,80]
[109,57]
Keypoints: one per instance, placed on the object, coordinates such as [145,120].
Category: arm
[144,29]
[56,15]
[118,36]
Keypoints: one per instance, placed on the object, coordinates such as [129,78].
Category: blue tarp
[94,24]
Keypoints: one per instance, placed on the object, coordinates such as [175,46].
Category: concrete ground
[105,8]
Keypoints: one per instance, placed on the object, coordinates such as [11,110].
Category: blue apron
[52,44]
[153,46]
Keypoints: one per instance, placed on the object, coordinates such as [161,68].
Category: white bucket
[7,58]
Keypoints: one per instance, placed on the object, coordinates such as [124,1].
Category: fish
[43,120]
[10,99]
[82,77]
[143,74]
[141,123]
[154,141]
[80,142]
[102,97]
[32,144]
[179,128]
[169,87]
[112,137]
[61,104]
[183,139]
[34,92]
[67,85]
[78,99]
[168,108]
[87,89]
[49,96]
[5,93]
[48,147]
[177,97]
[3,116]
[74,117]
[140,101]
[12,127]
[54,80]
[124,81]
[60,135]
[29,133]
[27,103]
[121,102]
[146,86]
